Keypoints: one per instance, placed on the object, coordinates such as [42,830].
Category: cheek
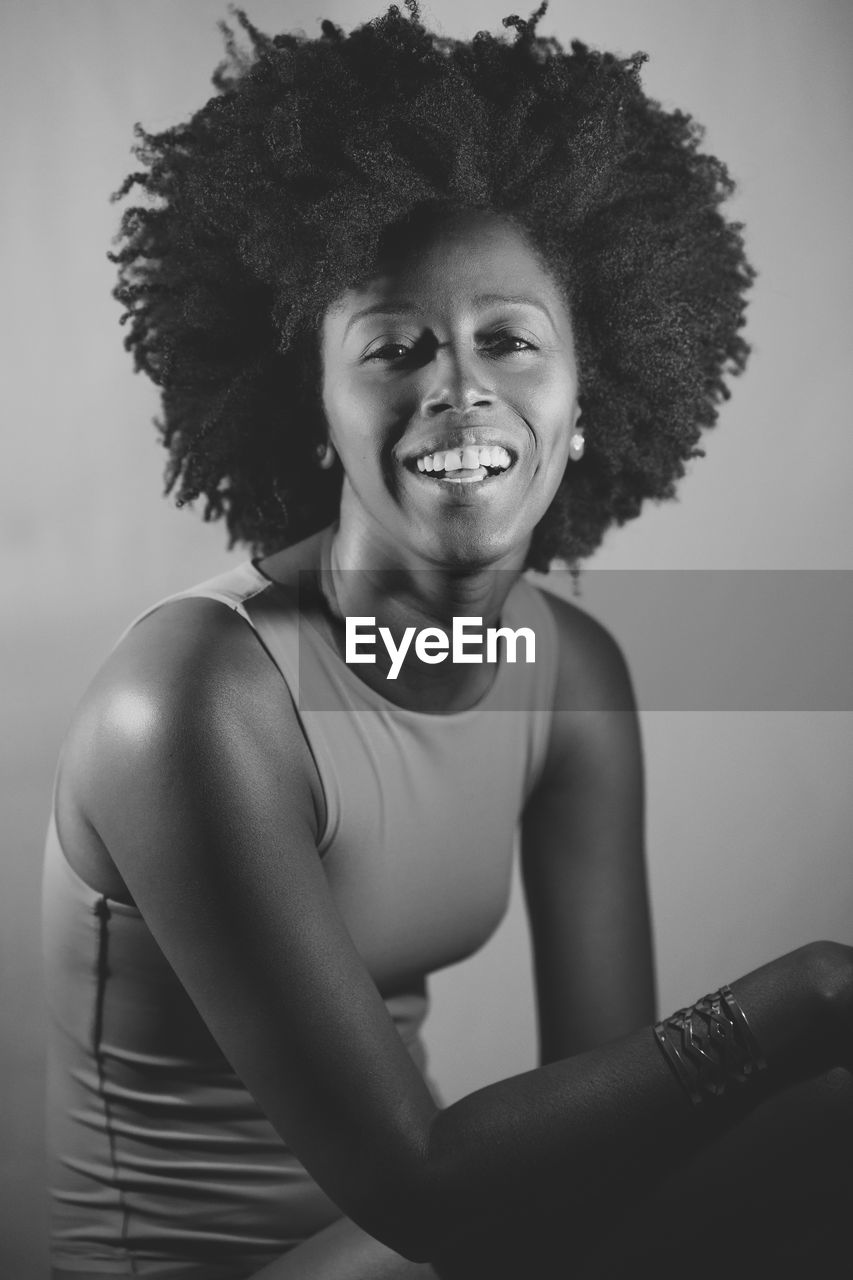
[362,411]
[346,410]
[550,396]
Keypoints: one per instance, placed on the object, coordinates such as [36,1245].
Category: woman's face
[450,391]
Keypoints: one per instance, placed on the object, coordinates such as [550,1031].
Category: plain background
[749,824]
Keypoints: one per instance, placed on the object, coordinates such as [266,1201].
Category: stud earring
[576,445]
[325,454]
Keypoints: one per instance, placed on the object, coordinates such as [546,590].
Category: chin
[475,549]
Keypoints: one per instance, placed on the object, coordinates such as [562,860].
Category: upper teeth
[472,456]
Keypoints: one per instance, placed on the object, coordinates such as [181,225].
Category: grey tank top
[160,1160]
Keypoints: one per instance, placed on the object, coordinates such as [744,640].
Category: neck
[366,577]
[372,575]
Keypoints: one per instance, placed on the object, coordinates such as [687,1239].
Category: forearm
[607,1122]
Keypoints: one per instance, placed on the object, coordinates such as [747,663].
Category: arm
[583,857]
[196,777]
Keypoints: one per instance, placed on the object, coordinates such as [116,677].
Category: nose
[454,383]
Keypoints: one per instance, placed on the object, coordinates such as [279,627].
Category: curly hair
[274,198]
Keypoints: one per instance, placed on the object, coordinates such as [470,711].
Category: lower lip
[467,475]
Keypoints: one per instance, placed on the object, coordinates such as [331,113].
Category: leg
[771,1198]
[343,1252]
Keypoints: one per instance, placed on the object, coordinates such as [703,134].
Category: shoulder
[592,672]
[182,660]
[188,686]
[594,723]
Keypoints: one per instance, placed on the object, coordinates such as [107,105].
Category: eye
[505,342]
[389,352]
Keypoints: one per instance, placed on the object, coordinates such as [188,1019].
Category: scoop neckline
[365,691]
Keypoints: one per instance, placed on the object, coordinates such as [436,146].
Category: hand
[832,967]
[800,1008]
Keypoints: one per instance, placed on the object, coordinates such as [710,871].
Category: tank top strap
[234,588]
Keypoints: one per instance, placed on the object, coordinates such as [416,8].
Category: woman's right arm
[192,768]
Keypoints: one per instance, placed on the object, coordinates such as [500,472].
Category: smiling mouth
[468,464]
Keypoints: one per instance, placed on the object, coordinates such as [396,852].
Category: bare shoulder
[187,694]
[595,727]
[592,672]
[187,658]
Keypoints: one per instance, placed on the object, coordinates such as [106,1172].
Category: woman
[425,313]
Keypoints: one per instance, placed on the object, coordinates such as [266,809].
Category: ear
[326,455]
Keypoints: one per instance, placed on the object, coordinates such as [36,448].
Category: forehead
[452,264]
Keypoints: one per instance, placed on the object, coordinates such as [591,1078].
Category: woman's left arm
[583,856]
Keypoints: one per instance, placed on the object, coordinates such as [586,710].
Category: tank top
[160,1160]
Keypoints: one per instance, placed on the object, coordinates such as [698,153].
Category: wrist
[711,1048]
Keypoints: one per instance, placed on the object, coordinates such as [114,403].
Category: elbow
[405,1206]
[421,1230]
[407,1193]
[400,1212]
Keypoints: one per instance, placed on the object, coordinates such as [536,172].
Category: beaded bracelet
[710,1046]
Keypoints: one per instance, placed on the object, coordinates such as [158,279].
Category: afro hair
[274,198]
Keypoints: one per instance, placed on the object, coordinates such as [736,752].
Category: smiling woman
[407,350]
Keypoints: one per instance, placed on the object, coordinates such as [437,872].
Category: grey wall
[749,812]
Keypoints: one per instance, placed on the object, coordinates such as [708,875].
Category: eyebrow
[520,299]
[481,300]
[381,309]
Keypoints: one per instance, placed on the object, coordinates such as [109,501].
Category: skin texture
[187,786]
[426,350]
